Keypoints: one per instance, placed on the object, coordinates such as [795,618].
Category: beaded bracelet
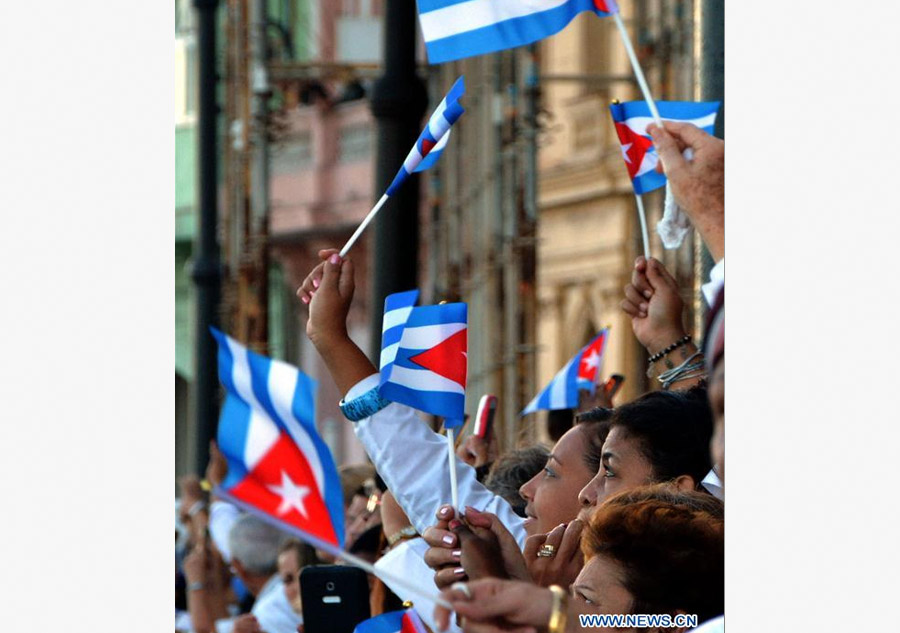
[684,340]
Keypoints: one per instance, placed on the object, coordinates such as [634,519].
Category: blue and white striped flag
[424,356]
[579,373]
[279,468]
[434,137]
[455,29]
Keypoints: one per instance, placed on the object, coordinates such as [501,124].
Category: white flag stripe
[395,317]
[438,126]
[423,380]
[424,336]
[441,143]
[282,386]
[475,14]
[389,354]
[412,159]
[558,387]
[648,163]
[260,428]
[261,436]
[638,124]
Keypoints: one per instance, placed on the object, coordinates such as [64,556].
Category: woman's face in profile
[599,588]
[622,467]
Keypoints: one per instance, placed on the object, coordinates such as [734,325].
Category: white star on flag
[625,149]
[291,494]
[592,360]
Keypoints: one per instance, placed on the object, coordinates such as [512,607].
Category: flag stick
[363,225]
[335,551]
[451,460]
[638,73]
[643,216]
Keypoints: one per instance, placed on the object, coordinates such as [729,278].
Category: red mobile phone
[611,386]
[484,419]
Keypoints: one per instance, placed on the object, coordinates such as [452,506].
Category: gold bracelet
[401,535]
[559,612]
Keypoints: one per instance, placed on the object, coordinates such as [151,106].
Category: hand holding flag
[432,140]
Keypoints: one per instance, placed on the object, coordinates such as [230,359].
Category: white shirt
[406,560]
[412,460]
[716,281]
[222,516]
[272,609]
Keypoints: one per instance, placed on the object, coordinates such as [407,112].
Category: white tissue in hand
[674,225]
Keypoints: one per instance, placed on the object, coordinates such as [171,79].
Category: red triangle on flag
[634,146]
[448,358]
[427,145]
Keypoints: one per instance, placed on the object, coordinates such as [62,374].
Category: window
[355,143]
[293,153]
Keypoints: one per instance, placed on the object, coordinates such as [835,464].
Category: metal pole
[398,103]
[259,83]
[206,271]
[709,85]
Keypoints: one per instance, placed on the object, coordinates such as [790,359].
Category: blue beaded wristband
[364,406]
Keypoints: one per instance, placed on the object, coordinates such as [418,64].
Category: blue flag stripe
[442,403]
[232,436]
[438,315]
[508,33]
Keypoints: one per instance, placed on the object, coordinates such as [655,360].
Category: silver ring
[461,586]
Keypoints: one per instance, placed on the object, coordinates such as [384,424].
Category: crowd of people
[623,515]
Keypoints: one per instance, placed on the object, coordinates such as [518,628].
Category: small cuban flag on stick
[631,120]
[456,29]
[279,468]
[424,361]
[424,154]
[406,621]
[579,373]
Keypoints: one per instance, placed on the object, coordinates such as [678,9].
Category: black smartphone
[335,598]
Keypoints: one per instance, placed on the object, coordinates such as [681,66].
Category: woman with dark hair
[662,437]
[653,550]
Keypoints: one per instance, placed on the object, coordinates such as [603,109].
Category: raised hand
[698,183]
[654,305]
[561,567]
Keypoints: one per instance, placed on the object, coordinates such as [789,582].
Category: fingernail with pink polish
[456,554]
[304,299]
[335,259]
[459,571]
[315,283]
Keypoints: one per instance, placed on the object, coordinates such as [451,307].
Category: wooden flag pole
[645,236]
[451,461]
[362,226]
[638,73]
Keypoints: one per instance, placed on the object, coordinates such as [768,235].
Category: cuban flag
[456,29]
[278,467]
[579,373]
[424,356]
[434,137]
[631,120]
[407,621]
